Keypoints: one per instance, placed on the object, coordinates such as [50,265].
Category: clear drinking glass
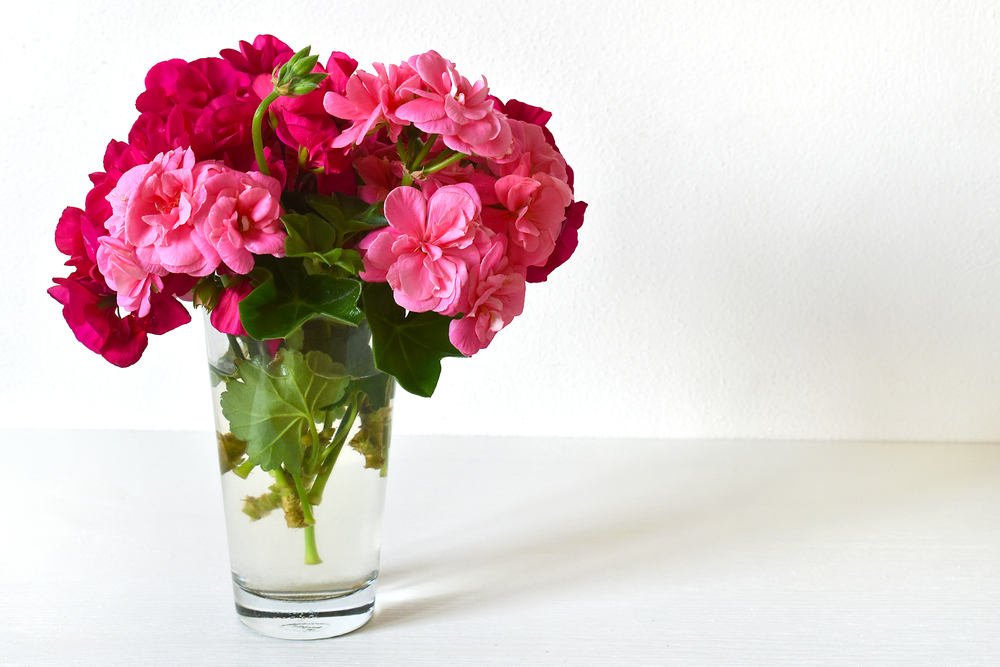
[304,538]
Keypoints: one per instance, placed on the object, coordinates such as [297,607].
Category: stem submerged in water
[312,554]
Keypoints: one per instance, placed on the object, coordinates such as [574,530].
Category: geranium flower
[261,57]
[152,208]
[124,273]
[239,215]
[225,316]
[565,244]
[90,310]
[531,213]
[461,112]
[370,101]
[496,296]
[426,251]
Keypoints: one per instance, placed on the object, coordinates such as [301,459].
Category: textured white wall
[792,228]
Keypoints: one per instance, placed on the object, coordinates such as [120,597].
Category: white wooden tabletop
[517,551]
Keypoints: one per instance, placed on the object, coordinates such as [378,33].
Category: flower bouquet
[344,231]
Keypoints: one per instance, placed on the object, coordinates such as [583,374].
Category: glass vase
[303,427]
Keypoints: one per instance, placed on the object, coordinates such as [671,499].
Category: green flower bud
[301,88]
[304,66]
[206,292]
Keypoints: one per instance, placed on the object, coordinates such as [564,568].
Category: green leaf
[348,214]
[308,235]
[311,236]
[407,346]
[272,408]
[281,304]
[378,387]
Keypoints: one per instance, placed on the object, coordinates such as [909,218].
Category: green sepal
[272,408]
[407,346]
[282,303]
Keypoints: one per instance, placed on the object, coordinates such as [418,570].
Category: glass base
[305,616]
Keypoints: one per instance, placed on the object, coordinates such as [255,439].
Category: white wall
[792,228]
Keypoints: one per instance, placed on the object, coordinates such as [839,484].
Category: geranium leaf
[308,235]
[281,304]
[272,408]
[348,214]
[407,346]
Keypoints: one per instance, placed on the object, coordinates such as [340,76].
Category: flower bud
[206,292]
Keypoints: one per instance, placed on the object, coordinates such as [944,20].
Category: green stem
[312,554]
[440,164]
[314,458]
[258,139]
[234,345]
[337,444]
[244,470]
[424,151]
[300,489]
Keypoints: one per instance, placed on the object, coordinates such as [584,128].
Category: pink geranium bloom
[380,175]
[240,215]
[426,251]
[565,244]
[340,67]
[126,275]
[195,84]
[91,311]
[152,212]
[516,110]
[461,112]
[531,213]
[532,154]
[371,101]
[70,239]
[496,296]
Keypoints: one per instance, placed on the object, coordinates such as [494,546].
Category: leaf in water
[231,451]
[260,506]
[407,346]
[272,408]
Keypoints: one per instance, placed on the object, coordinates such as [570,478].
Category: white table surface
[516,551]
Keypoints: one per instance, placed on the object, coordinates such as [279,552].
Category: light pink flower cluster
[178,216]
[427,92]
[462,240]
